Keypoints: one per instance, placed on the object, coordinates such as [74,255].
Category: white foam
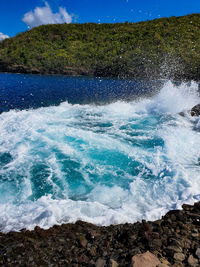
[174,99]
[92,136]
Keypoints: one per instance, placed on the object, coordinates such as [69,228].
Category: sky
[20,15]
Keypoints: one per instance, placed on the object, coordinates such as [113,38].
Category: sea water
[100,150]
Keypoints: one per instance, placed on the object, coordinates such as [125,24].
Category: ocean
[105,151]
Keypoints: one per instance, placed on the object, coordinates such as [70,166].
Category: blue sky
[13,11]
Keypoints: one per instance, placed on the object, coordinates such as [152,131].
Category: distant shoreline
[176,79]
[162,48]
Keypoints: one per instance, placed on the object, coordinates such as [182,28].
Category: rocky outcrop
[173,240]
[195,111]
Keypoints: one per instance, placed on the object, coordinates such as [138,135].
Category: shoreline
[122,78]
[174,240]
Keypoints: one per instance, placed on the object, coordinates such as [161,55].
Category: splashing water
[107,164]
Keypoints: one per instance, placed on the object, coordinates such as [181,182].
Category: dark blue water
[18,91]
[101,150]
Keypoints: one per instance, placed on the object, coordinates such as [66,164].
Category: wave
[107,164]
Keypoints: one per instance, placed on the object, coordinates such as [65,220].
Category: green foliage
[167,47]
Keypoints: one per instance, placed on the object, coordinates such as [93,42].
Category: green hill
[166,47]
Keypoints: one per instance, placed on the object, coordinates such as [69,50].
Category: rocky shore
[173,240]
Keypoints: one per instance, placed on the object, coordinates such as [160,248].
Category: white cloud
[3,36]
[44,15]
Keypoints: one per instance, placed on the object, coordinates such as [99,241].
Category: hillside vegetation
[166,47]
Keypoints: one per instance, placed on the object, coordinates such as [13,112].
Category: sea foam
[106,164]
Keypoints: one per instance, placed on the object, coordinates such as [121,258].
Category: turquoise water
[116,162]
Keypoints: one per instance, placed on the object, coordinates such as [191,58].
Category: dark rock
[156,244]
[175,242]
[92,234]
[195,235]
[83,259]
[135,251]
[182,114]
[92,251]
[193,215]
[146,230]
[174,249]
[197,206]
[187,207]
[195,111]
[155,235]
[178,265]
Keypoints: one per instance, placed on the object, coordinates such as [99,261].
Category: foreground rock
[144,260]
[173,240]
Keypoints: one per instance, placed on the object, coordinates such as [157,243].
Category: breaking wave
[106,164]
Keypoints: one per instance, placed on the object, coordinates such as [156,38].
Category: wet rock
[144,260]
[179,256]
[182,114]
[195,111]
[192,261]
[187,207]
